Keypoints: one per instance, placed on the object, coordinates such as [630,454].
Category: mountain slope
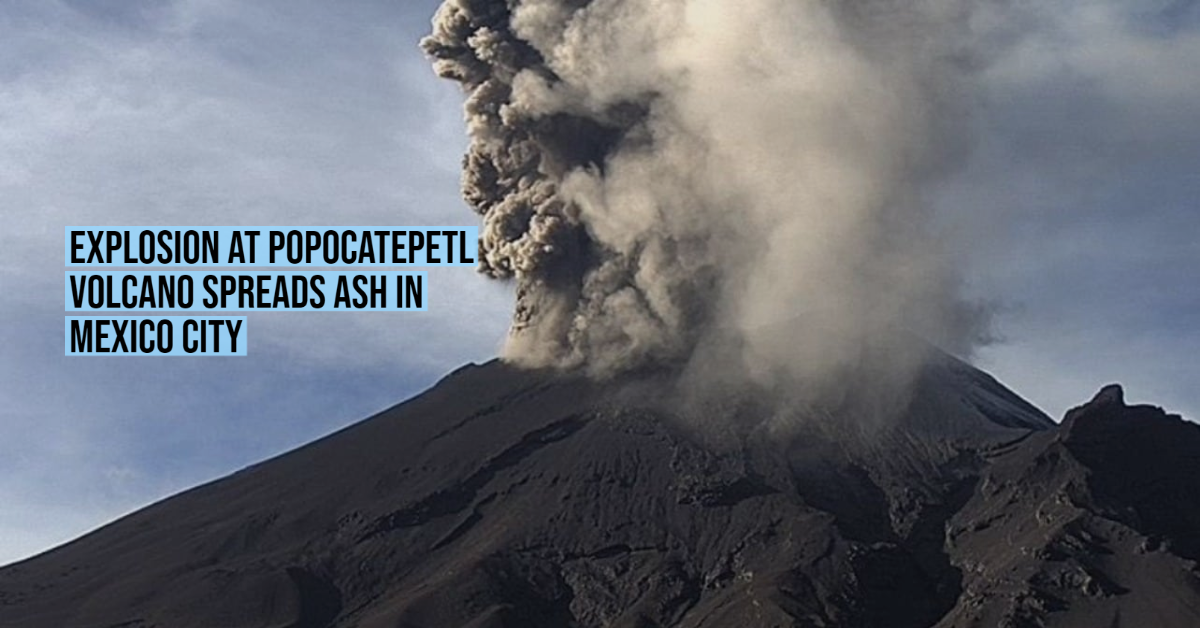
[503,497]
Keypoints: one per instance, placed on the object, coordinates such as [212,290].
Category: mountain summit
[504,497]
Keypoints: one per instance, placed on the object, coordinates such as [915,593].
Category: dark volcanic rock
[503,497]
[1095,523]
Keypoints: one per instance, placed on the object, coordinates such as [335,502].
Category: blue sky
[1077,212]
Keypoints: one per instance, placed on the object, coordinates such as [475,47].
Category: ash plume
[662,178]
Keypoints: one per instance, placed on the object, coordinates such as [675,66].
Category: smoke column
[663,177]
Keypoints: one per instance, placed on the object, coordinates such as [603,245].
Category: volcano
[505,497]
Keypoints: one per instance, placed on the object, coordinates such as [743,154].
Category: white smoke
[662,177]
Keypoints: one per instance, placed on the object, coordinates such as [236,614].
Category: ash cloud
[665,179]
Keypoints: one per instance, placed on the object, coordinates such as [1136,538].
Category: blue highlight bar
[271,246]
[307,291]
[99,286]
[155,336]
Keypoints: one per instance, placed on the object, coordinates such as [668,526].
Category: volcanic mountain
[504,497]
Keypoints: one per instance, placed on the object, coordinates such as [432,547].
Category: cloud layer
[210,113]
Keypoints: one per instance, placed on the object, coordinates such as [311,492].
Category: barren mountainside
[505,497]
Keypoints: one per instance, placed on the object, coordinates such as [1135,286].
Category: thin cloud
[212,114]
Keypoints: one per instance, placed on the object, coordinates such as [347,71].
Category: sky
[1076,213]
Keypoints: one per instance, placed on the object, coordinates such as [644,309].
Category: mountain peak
[1110,398]
[505,497]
